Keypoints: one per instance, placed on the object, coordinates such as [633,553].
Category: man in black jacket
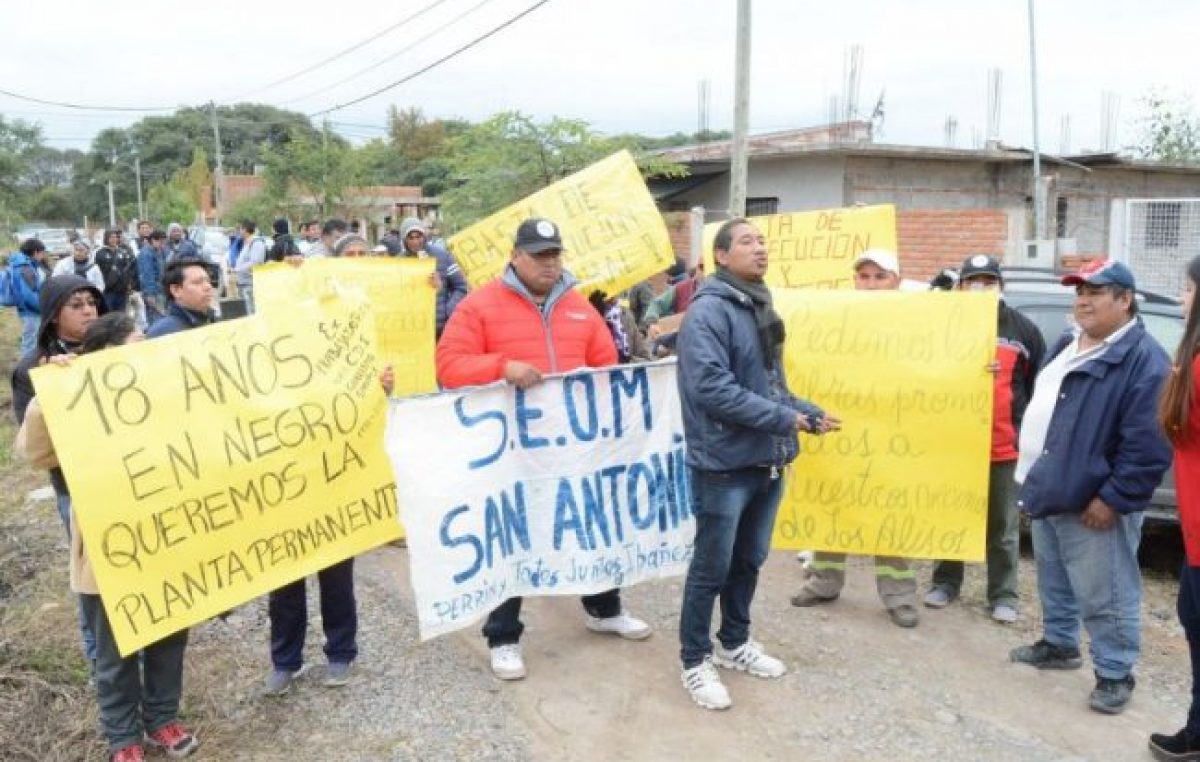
[1019,353]
[118,265]
[188,284]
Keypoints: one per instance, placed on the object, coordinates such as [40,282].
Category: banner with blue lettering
[572,487]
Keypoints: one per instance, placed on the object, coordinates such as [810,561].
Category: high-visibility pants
[895,581]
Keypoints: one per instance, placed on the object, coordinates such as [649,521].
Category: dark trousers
[503,626]
[116,301]
[288,609]
[1188,606]
[1003,541]
[138,693]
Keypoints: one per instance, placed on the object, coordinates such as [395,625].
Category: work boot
[904,615]
[1110,696]
[806,598]
[1181,746]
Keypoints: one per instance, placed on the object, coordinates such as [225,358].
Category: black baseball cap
[979,264]
[536,235]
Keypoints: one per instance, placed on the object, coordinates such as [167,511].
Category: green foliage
[170,202]
[52,204]
[262,208]
[1169,131]
[18,141]
[312,174]
[508,157]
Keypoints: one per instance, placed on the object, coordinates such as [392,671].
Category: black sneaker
[1181,746]
[1110,696]
[1044,655]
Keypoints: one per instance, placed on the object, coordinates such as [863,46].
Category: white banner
[573,487]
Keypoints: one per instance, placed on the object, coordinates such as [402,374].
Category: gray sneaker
[939,597]
[337,674]
[1005,613]
[280,681]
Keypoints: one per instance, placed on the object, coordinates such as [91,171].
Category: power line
[83,107]
[435,64]
[392,56]
[343,53]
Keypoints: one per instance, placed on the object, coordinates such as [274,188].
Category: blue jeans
[735,513]
[85,628]
[29,332]
[1093,576]
[503,626]
[288,611]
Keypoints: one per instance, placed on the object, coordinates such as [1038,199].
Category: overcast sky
[621,65]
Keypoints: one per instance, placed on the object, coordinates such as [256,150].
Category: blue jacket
[454,284]
[1104,440]
[736,412]
[27,279]
[176,320]
[150,270]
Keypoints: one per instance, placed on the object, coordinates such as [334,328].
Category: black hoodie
[54,294]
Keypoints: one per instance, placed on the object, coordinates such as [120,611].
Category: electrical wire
[85,107]
[435,64]
[390,57]
[343,53]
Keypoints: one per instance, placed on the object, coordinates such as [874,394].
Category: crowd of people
[1082,432]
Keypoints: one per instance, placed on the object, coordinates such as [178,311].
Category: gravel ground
[858,687]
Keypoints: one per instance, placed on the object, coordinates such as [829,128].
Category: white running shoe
[749,657]
[705,687]
[628,627]
[507,663]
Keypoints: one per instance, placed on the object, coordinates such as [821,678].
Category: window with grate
[1162,224]
[760,206]
[1060,217]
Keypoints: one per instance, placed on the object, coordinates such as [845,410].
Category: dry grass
[47,708]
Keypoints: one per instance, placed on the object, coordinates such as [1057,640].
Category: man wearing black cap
[1091,455]
[529,322]
[1019,352]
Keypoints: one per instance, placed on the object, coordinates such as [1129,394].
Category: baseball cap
[536,235]
[1101,272]
[980,264]
[883,258]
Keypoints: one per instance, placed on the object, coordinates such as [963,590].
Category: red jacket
[1187,473]
[499,322]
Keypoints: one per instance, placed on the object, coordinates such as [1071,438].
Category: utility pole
[220,159]
[137,168]
[112,207]
[738,162]
[1039,204]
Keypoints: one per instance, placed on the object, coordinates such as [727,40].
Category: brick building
[949,202]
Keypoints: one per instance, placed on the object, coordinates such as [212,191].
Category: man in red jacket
[528,322]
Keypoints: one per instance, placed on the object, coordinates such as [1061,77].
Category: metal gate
[1156,238]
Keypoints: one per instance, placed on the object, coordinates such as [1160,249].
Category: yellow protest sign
[817,249]
[613,234]
[402,302]
[209,467]
[907,374]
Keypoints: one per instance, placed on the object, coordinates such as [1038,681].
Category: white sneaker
[507,663]
[748,657]
[1005,613]
[704,686]
[628,627]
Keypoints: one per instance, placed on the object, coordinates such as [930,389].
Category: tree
[508,157]
[170,202]
[313,174]
[19,140]
[1169,131]
[197,180]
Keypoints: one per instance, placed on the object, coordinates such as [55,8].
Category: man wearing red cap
[1091,455]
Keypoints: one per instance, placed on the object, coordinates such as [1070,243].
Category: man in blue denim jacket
[1091,455]
[740,422]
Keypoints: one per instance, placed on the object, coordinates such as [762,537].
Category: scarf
[770,326]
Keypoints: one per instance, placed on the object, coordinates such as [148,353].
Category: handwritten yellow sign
[908,474]
[613,234]
[817,249]
[402,302]
[212,466]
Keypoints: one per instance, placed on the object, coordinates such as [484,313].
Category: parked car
[58,244]
[1038,295]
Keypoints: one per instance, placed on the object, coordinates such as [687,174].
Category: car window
[1051,319]
[1167,329]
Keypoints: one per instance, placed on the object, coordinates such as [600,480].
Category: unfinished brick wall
[931,239]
